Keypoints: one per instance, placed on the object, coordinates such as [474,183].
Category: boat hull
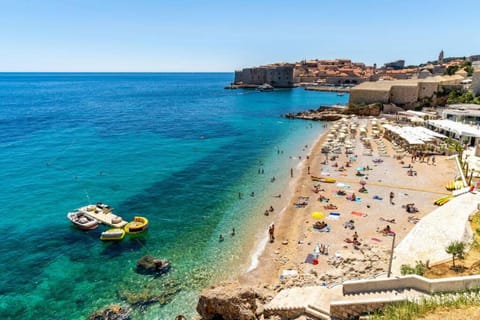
[115,234]
[82,221]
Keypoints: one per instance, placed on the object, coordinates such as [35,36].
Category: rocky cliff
[231,301]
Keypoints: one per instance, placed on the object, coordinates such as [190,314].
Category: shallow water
[176,148]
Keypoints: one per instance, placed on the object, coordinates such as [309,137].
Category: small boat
[112,234]
[265,87]
[82,221]
[138,225]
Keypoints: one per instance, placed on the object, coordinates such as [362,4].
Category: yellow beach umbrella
[318,215]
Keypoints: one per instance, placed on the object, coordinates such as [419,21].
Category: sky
[211,35]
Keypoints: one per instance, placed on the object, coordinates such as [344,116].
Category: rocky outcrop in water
[334,113]
[231,301]
[113,312]
[150,265]
[321,114]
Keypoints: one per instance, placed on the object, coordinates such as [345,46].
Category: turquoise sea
[176,148]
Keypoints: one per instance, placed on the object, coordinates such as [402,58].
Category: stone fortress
[277,75]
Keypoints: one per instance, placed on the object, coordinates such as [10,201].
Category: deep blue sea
[174,147]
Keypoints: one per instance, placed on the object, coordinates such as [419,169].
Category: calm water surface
[176,148]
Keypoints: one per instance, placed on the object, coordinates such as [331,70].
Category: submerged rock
[141,296]
[150,265]
[113,312]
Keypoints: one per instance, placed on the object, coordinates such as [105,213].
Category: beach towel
[333,216]
[326,229]
[309,259]
[376,239]
[360,214]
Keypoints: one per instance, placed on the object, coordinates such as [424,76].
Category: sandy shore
[295,238]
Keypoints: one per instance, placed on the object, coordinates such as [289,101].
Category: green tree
[451,70]
[457,250]
[419,268]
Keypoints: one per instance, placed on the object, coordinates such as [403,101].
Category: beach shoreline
[295,239]
[261,270]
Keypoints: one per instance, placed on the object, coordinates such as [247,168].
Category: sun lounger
[359,214]
[333,216]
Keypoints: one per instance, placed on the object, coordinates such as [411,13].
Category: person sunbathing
[320,225]
[387,231]
[352,197]
[349,225]
[341,193]
[323,199]
[411,208]
[363,190]
[330,206]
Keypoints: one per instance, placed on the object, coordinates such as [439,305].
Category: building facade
[405,93]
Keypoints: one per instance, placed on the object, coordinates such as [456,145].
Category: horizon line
[116,72]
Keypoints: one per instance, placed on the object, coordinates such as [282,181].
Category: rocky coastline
[335,112]
[324,113]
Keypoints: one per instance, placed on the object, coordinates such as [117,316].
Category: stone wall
[404,94]
[413,282]
[476,82]
[278,76]
[354,309]
[369,96]
[427,89]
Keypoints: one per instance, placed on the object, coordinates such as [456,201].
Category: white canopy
[414,135]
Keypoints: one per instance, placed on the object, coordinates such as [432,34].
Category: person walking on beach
[291,172]
[391,197]
[308,170]
[433,160]
[271,232]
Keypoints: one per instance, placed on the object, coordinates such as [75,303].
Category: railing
[413,282]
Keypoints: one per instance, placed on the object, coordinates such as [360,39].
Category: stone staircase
[357,298]
[324,304]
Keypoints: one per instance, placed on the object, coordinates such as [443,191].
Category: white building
[465,113]
[467,134]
